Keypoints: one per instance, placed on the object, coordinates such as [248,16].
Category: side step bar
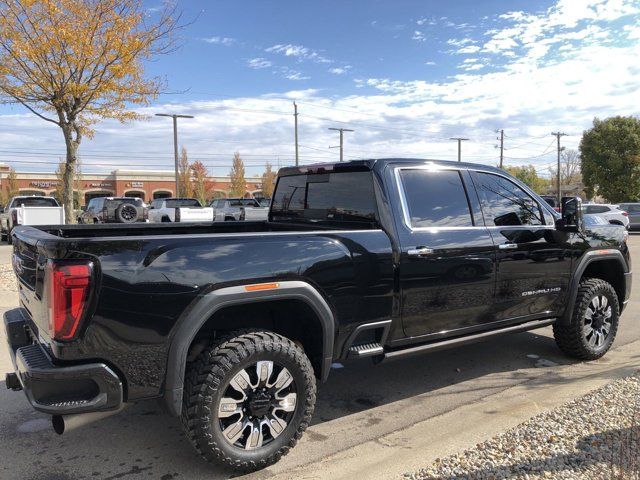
[366,350]
[454,342]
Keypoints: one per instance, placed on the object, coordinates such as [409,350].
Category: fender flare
[199,312]
[589,258]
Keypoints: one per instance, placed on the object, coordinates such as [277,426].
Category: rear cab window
[335,198]
[35,202]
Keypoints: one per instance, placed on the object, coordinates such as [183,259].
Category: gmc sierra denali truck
[231,324]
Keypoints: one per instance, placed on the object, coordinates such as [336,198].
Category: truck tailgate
[30,273]
[40,215]
[204,214]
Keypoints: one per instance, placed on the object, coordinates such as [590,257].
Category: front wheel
[594,323]
[248,399]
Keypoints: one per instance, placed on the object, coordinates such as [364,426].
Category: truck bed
[48,232]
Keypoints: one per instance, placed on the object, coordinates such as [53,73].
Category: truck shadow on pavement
[144,442]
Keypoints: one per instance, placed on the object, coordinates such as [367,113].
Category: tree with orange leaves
[75,62]
[201,186]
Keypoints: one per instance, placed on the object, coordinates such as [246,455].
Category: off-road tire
[9,238]
[207,379]
[570,337]
[126,213]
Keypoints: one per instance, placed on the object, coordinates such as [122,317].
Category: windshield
[35,202]
[183,202]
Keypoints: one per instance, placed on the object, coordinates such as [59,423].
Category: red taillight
[625,214]
[68,294]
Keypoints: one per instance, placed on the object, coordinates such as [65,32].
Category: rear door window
[504,203]
[326,197]
[435,198]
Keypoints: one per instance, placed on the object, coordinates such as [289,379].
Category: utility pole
[341,130]
[501,146]
[295,116]
[460,140]
[175,143]
[558,135]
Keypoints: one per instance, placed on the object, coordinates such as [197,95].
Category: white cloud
[340,70]
[299,52]
[469,49]
[258,63]
[527,96]
[460,42]
[226,41]
[418,36]
[290,74]
[430,63]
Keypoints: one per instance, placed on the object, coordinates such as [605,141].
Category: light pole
[175,142]
[341,130]
[460,140]
[558,135]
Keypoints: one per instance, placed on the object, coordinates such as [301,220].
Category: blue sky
[405,75]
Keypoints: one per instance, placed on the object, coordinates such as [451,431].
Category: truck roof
[375,163]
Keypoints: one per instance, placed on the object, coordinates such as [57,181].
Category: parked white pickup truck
[179,210]
[30,210]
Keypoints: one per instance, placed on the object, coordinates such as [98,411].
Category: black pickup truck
[230,325]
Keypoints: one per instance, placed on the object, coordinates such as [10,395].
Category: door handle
[508,246]
[419,251]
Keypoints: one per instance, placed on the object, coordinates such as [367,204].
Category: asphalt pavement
[359,406]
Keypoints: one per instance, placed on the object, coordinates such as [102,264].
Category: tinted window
[35,202]
[504,203]
[117,202]
[596,209]
[183,202]
[631,207]
[331,197]
[435,199]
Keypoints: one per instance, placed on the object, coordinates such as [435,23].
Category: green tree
[527,174]
[238,182]
[610,153]
[184,175]
[268,181]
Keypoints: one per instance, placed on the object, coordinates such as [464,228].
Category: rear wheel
[9,239]
[594,323]
[248,399]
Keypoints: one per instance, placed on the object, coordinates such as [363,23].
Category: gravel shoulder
[593,437]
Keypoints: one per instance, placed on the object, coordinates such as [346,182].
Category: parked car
[114,210]
[232,325]
[30,210]
[633,209]
[230,209]
[179,210]
[612,213]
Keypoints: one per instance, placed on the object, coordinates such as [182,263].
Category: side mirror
[571,220]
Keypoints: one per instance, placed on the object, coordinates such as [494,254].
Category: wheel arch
[200,315]
[608,265]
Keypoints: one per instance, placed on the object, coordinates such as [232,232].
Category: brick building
[145,184]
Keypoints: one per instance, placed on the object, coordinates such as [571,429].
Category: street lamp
[175,142]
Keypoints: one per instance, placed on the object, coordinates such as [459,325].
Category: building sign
[44,184]
[99,185]
[135,184]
